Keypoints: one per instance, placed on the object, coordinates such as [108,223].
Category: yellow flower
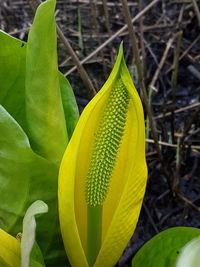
[103,174]
[9,250]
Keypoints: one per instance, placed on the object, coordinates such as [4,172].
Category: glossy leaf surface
[22,174]
[25,176]
[44,109]
[163,249]
[12,76]
[12,83]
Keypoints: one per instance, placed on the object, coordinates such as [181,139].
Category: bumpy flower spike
[103,174]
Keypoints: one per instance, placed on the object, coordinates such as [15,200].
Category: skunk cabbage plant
[103,174]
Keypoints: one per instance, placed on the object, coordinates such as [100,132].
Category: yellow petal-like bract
[9,250]
[104,167]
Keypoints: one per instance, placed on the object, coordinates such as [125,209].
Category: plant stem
[94,231]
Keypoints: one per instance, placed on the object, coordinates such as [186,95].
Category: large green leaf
[12,83]
[44,109]
[12,76]
[163,249]
[25,177]
[29,167]
[69,104]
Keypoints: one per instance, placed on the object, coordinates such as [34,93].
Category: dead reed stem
[136,56]
[109,40]
[82,72]
[174,80]
[161,63]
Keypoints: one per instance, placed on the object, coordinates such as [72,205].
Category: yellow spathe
[122,191]
[9,249]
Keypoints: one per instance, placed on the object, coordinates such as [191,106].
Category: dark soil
[173,191]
